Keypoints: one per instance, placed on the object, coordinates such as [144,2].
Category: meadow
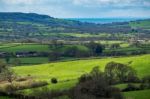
[14,47]
[144,94]
[73,69]
[68,72]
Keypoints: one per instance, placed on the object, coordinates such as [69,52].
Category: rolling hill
[68,72]
[14,26]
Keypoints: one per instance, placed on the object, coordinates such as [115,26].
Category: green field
[141,24]
[144,94]
[74,69]
[3,97]
[14,47]
[68,72]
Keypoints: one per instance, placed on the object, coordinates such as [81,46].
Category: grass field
[28,60]
[141,24]
[144,94]
[14,47]
[68,72]
[3,97]
[73,69]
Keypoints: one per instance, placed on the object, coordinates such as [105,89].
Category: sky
[80,8]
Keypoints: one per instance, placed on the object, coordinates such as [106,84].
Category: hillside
[73,69]
[14,26]
[68,72]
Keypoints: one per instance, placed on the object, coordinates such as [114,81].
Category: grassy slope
[144,94]
[25,47]
[145,24]
[67,71]
[3,97]
[73,69]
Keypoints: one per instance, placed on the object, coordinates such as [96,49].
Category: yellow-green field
[68,72]
[74,69]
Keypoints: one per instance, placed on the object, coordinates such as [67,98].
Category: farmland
[124,48]
[68,72]
[42,56]
[73,69]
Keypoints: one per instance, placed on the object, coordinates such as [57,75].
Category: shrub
[10,88]
[21,79]
[94,86]
[145,83]
[146,79]
[131,87]
[38,84]
[54,80]
[119,73]
[84,78]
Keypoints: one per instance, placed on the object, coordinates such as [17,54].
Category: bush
[94,86]
[145,83]
[131,87]
[26,85]
[38,84]
[84,78]
[10,88]
[21,79]
[54,80]
[120,73]
[146,79]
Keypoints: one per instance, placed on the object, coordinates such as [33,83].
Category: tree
[54,56]
[75,51]
[2,66]
[54,80]
[56,44]
[94,86]
[6,73]
[9,75]
[71,51]
[118,73]
[16,62]
[7,58]
[95,48]
[115,46]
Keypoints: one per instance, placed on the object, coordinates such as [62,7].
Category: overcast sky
[79,8]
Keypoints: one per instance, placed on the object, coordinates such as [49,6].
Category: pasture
[74,69]
[68,72]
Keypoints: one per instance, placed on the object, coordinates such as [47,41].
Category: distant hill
[32,25]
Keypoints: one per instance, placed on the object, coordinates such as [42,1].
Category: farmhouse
[26,54]
[3,54]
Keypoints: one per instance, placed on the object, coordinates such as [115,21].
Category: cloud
[79,8]
[112,2]
[15,2]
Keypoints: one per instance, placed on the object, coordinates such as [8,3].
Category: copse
[96,48]
[9,75]
[120,73]
[54,55]
[2,66]
[6,73]
[115,46]
[76,51]
[95,86]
